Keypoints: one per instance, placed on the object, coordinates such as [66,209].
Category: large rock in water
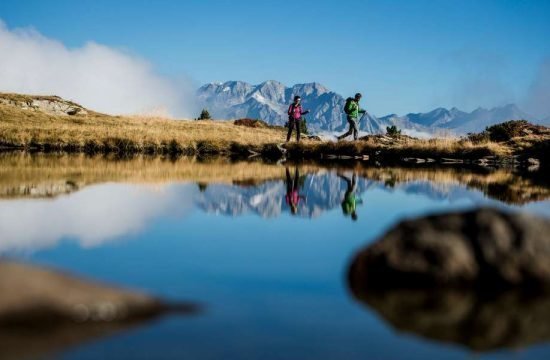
[477,278]
[44,312]
[33,296]
[484,247]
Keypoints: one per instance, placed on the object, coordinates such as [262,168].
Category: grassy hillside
[94,132]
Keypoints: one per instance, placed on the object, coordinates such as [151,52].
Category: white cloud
[93,216]
[97,76]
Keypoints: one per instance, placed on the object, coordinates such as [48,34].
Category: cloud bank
[97,76]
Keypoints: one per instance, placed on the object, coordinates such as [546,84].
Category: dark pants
[352,129]
[291,124]
[292,184]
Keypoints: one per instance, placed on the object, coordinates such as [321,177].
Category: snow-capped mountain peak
[270,100]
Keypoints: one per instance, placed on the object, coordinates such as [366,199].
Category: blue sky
[404,56]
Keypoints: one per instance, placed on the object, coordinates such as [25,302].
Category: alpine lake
[262,249]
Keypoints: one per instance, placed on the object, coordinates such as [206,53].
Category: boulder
[45,312]
[33,296]
[486,248]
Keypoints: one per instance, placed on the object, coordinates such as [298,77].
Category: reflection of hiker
[350,201]
[352,110]
[293,196]
[295,113]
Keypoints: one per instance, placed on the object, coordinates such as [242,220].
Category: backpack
[347,107]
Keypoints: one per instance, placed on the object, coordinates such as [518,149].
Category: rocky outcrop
[52,105]
[485,248]
[37,297]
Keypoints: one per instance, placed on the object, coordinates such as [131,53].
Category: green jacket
[350,202]
[355,110]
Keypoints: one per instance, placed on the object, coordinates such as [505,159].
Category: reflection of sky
[273,288]
[104,213]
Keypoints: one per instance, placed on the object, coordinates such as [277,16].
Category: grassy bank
[27,123]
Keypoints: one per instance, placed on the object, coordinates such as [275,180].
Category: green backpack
[347,107]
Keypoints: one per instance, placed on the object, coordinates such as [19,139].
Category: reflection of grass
[49,174]
[44,175]
[500,184]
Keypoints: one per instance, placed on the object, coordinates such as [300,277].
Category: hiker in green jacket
[349,204]
[352,110]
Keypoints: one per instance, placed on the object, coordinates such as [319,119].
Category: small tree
[205,115]
[392,131]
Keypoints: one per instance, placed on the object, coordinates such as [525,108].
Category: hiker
[349,204]
[295,113]
[293,196]
[352,110]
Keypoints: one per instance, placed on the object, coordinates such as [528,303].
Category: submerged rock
[484,247]
[509,319]
[36,297]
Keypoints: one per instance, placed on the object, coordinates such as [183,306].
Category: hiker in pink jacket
[295,113]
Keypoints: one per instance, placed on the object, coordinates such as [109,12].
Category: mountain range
[269,101]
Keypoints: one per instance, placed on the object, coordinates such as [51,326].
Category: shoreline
[482,156]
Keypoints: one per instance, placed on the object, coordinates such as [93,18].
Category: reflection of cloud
[93,216]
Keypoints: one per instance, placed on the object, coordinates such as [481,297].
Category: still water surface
[264,249]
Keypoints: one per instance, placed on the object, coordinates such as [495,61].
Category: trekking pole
[361,119]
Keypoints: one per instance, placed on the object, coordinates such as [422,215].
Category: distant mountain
[269,101]
[460,122]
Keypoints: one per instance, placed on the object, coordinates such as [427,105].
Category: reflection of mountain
[323,191]
[508,320]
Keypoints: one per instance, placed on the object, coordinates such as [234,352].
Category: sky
[404,56]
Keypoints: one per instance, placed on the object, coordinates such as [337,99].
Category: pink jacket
[295,111]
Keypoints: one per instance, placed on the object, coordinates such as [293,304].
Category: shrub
[500,132]
[205,115]
[506,130]
[392,131]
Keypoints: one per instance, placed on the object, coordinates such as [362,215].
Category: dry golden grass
[27,127]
